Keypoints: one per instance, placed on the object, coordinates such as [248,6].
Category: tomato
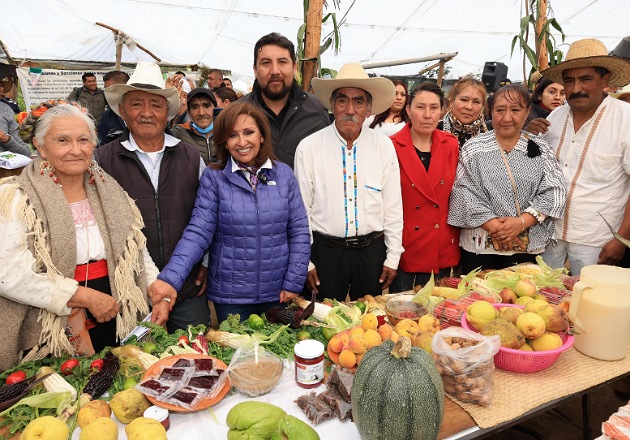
[68,366]
[96,364]
[15,377]
[301,336]
[329,333]
[130,382]
[328,303]
[183,339]
[149,347]
[361,305]
[255,322]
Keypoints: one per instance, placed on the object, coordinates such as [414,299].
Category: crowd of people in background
[248,201]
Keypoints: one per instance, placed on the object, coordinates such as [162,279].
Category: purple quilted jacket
[259,241]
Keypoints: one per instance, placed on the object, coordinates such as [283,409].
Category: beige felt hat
[591,53]
[147,78]
[381,89]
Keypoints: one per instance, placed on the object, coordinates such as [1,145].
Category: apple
[525,288]
[507,296]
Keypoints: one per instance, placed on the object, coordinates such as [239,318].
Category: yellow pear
[428,324]
[533,306]
[531,325]
[481,313]
[45,428]
[556,319]
[510,313]
[145,429]
[526,347]
[92,411]
[523,300]
[511,337]
[103,428]
[548,341]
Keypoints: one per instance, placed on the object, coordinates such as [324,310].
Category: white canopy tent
[222,33]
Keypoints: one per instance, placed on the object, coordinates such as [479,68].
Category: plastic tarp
[222,33]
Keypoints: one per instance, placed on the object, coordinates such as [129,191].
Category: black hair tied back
[533,149]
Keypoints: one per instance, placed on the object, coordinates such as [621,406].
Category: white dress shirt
[602,185]
[350,192]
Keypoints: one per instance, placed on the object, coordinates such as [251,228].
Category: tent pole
[118,54]
[541,43]
[117,33]
[312,42]
[440,73]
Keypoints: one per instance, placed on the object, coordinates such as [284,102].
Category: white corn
[55,383]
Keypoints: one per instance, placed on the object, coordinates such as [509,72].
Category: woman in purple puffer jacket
[250,216]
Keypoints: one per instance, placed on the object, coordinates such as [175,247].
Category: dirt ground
[565,421]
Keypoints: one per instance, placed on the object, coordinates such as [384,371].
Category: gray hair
[62,111]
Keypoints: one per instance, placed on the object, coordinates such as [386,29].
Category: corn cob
[320,312]
[54,383]
[143,359]
[11,394]
[100,381]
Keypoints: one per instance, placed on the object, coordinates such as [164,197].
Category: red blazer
[430,243]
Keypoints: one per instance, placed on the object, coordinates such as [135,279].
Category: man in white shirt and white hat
[350,182]
[591,139]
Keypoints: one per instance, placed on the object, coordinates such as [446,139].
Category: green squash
[397,394]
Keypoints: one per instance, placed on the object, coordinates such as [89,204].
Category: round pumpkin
[397,393]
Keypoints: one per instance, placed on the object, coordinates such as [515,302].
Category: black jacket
[305,116]
[166,212]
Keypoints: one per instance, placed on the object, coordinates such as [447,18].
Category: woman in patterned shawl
[465,117]
[508,189]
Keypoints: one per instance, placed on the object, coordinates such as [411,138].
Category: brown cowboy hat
[591,53]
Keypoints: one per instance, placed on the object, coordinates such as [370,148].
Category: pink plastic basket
[521,361]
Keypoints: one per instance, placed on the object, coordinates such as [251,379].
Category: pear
[523,300]
[531,325]
[533,306]
[481,313]
[510,313]
[45,428]
[102,428]
[511,337]
[556,319]
[525,288]
[548,341]
[142,428]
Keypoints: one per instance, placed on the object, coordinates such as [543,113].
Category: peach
[393,337]
[356,331]
[358,344]
[345,337]
[334,357]
[335,344]
[385,331]
[373,338]
[369,322]
[360,358]
[347,359]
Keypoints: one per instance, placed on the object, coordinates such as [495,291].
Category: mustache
[578,95]
[350,118]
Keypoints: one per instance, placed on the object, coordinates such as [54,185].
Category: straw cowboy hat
[591,53]
[147,78]
[382,90]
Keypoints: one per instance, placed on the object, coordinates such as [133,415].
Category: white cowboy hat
[147,78]
[620,93]
[591,53]
[381,89]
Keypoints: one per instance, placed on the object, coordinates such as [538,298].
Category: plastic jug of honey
[600,310]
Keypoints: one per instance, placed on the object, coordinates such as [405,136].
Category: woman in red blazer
[428,162]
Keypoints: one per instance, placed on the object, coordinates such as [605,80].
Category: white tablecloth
[210,424]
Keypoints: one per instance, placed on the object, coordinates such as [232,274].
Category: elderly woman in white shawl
[73,261]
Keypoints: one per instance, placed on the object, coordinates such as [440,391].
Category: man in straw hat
[350,183]
[161,174]
[591,139]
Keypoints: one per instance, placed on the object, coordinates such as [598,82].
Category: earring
[92,170]
[46,168]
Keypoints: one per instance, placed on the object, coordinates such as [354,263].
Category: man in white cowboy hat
[161,174]
[591,139]
[350,183]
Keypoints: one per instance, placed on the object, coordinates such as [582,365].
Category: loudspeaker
[493,74]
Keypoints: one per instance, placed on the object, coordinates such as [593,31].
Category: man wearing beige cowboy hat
[161,174]
[350,183]
[591,140]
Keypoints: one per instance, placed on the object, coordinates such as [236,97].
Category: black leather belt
[360,241]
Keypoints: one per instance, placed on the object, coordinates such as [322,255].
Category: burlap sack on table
[517,393]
